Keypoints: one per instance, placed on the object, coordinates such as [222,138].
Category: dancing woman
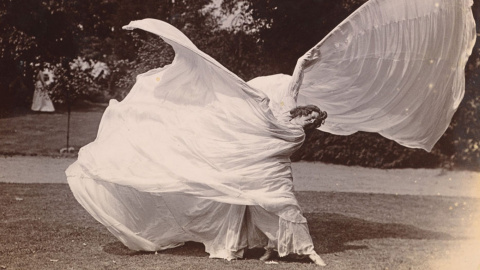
[194,153]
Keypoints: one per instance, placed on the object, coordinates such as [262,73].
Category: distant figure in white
[195,153]
[41,100]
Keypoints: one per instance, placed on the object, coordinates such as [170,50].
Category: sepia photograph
[247,134]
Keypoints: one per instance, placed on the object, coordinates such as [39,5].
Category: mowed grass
[43,227]
[44,134]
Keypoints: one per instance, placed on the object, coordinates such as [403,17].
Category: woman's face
[304,120]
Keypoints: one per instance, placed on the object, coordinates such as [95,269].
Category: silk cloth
[194,153]
[392,67]
[188,155]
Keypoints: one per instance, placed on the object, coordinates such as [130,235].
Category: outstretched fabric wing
[395,67]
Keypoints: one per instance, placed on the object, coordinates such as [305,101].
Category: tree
[464,133]
[36,32]
[287,29]
[149,51]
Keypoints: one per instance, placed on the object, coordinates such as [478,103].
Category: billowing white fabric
[194,153]
[392,67]
[185,153]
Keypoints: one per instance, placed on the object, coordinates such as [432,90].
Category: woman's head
[309,116]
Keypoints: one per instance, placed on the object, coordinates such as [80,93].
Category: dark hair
[306,110]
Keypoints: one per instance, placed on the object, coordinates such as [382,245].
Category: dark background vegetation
[265,37]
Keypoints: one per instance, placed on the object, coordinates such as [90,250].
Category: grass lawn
[29,133]
[43,227]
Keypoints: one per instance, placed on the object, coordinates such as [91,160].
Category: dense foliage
[262,37]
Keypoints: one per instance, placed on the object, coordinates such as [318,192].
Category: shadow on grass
[331,233]
[192,249]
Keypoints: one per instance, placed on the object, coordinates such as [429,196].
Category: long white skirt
[41,100]
[193,154]
[146,221]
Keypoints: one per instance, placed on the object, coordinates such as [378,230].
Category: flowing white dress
[194,153]
[41,101]
[181,157]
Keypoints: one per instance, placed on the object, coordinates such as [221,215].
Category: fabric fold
[184,154]
[392,67]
